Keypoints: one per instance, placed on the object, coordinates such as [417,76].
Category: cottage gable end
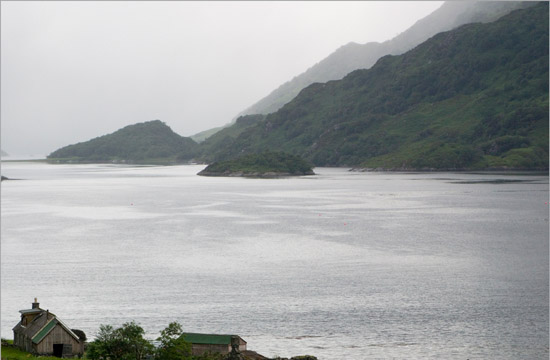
[43,333]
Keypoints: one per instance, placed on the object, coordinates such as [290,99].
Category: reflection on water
[340,265]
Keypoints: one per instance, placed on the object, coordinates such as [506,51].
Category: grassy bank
[9,352]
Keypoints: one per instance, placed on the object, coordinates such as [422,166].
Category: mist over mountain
[362,56]
[473,97]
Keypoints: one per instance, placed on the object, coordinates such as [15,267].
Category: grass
[9,352]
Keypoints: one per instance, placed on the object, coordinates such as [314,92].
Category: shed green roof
[213,339]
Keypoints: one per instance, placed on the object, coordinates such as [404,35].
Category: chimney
[35,304]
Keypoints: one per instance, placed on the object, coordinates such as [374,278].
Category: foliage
[257,164]
[124,343]
[148,142]
[474,97]
[172,346]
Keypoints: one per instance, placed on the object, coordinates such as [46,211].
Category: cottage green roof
[44,331]
[213,339]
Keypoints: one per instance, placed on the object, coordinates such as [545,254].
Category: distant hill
[355,56]
[218,134]
[213,148]
[148,142]
[203,135]
[474,97]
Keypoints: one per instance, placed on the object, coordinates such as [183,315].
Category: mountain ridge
[480,79]
[354,56]
[475,97]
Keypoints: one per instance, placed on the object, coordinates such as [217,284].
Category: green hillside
[353,56]
[148,142]
[474,97]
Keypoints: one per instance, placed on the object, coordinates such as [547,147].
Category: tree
[135,346]
[172,346]
[124,343]
[103,346]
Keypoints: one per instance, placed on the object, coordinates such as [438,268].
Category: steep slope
[362,56]
[148,142]
[474,97]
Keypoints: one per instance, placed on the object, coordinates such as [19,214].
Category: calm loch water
[340,265]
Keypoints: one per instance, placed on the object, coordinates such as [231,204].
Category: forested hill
[473,97]
[355,56]
[148,142]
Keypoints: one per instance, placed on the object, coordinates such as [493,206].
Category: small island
[262,165]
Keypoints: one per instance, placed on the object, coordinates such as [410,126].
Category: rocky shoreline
[258,175]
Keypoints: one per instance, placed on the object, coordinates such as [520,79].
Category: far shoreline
[23,160]
[502,171]
[494,171]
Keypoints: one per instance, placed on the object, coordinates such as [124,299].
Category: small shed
[42,333]
[214,343]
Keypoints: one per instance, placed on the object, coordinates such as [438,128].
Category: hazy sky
[72,71]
